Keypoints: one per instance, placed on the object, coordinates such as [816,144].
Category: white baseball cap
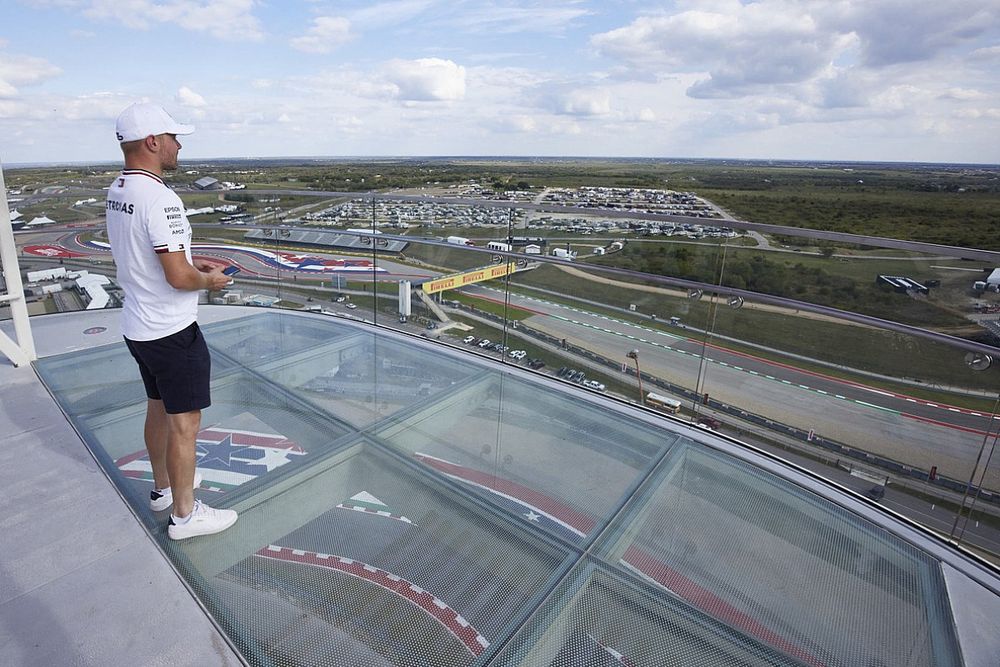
[143,119]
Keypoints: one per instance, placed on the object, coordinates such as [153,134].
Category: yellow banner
[462,279]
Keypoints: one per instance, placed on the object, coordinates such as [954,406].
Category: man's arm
[182,275]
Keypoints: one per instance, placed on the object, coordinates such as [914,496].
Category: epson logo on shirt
[171,209]
[120,206]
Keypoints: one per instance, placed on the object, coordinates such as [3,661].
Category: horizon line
[540,158]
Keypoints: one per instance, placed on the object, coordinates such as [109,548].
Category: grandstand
[325,240]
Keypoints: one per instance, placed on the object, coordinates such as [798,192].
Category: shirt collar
[142,172]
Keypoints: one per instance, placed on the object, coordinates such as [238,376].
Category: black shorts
[175,369]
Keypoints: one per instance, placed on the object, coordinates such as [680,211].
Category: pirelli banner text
[461,279]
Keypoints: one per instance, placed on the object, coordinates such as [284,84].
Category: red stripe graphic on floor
[445,615]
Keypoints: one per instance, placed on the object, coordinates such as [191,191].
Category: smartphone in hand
[231,270]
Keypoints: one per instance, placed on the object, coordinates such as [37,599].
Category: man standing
[151,243]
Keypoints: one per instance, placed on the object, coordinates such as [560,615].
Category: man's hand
[184,276]
[215,277]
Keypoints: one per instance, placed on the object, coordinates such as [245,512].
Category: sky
[854,80]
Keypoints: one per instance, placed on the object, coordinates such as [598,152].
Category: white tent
[93,285]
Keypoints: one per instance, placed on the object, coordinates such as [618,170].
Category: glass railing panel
[456,284]
[868,401]
[881,410]
[342,367]
[893,280]
[609,325]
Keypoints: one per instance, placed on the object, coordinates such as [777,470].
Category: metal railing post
[23,351]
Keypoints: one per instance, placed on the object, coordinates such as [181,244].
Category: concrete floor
[81,582]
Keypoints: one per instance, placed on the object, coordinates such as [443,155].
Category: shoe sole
[176,532]
[197,482]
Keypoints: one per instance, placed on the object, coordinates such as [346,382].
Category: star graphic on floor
[531,516]
[219,454]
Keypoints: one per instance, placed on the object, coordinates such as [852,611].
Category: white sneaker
[203,521]
[161,500]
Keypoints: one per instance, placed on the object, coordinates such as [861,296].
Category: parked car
[352,306]
[484,343]
[709,423]
[535,363]
[469,339]
[877,492]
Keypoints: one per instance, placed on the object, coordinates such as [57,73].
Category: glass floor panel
[405,504]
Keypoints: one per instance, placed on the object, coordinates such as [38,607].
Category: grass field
[847,283]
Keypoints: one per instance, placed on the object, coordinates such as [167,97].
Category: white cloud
[987,53]
[552,16]
[189,98]
[390,13]
[741,47]
[845,88]
[231,20]
[426,79]
[23,71]
[850,79]
[584,102]
[519,122]
[976,114]
[769,65]
[536,125]
[902,31]
[645,115]
[964,94]
[326,34]
[746,49]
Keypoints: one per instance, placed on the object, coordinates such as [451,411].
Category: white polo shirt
[146,218]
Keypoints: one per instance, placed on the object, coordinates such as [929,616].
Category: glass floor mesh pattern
[402,504]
